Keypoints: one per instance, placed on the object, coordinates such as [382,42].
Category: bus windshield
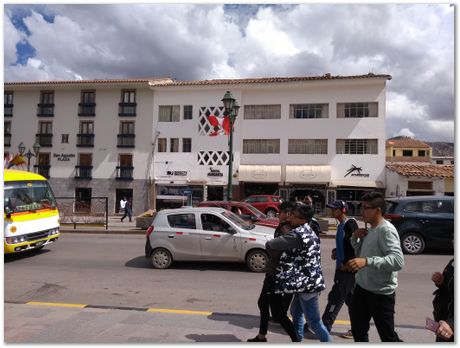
[23,196]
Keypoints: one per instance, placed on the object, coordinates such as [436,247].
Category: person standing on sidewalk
[379,258]
[344,280]
[127,207]
[299,272]
[268,299]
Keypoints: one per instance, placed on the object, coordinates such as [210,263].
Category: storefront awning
[357,183]
[259,173]
[308,174]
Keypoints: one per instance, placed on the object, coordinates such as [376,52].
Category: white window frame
[168,113]
[307,146]
[261,146]
[262,112]
[357,146]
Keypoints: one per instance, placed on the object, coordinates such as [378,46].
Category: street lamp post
[28,154]
[231,110]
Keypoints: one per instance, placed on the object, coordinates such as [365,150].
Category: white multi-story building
[157,139]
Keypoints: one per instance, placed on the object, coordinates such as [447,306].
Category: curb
[142,232]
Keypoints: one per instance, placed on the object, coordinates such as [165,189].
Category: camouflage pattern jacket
[299,267]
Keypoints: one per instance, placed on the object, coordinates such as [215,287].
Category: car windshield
[245,225]
[22,196]
[256,212]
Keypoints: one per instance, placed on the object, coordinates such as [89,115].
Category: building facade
[160,141]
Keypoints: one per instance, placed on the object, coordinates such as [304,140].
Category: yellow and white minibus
[31,216]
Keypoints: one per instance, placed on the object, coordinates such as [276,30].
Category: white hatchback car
[206,234]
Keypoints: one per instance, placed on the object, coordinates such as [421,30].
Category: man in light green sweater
[379,258]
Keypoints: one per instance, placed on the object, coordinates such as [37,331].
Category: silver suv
[206,234]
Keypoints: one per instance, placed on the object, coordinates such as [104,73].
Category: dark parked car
[423,222]
[245,211]
[267,204]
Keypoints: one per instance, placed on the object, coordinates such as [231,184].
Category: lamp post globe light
[28,154]
[231,110]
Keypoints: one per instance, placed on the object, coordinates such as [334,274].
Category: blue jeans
[309,307]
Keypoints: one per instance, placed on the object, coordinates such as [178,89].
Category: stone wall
[104,188]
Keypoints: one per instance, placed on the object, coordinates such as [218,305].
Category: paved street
[123,300]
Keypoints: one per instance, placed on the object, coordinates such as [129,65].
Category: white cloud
[11,37]
[404,132]
[413,43]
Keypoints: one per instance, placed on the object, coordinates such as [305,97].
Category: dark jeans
[341,292]
[268,300]
[381,308]
[127,213]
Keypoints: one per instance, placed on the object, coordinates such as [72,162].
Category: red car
[245,210]
[268,204]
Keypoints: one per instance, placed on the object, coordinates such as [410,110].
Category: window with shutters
[357,110]
[261,146]
[308,111]
[357,146]
[260,112]
[307,146]
[169,113]
[162,144]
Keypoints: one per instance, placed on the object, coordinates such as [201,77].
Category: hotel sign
[356,172]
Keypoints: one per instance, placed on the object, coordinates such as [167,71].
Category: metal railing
[94,211]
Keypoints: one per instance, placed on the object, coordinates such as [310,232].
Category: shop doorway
[82,199]
[215,193]
[120,193]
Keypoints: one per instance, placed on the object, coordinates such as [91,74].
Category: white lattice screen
[213,158]
[204,126]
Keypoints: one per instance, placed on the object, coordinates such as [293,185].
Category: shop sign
[177,172]
[215,172]
[63,157]
[356,172]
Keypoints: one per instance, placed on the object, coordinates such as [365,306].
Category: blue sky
[412,42]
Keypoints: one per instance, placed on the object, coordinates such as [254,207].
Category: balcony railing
[124,173]
[127,109]
[45,140]
[126,140]
[87,109]
[83,172]
[85,140]
[7,140]
[46,110]
[8,110]
[43,169]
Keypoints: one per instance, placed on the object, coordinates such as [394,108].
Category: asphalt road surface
[111,271]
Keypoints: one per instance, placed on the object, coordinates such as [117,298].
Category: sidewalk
[117,227]
[42,323]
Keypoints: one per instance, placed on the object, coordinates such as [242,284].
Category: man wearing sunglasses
[379,258]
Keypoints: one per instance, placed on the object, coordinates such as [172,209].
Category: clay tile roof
[406,142]
[83,82]
[266,80]
[426,170]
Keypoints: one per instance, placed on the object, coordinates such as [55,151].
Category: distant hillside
[442,149]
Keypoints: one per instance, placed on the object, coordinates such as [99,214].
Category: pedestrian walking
[127,209]
[443,303]
[268,299]
[379,258]
[299,272]
[344,280]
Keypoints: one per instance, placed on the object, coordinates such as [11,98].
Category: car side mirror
[231,230]
[253,218]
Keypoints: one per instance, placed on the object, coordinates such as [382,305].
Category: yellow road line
[53,304]
[177,311]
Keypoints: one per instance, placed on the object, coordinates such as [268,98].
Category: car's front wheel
[256,261]
[161,258]
[412,243]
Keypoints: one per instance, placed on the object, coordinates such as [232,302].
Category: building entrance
[120,193]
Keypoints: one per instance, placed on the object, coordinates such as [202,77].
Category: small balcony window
[83,172]
[85,140]
[45,140]
[126,140]
[8,104]
[6,139]
[86,109]
[43,170]
[124,172]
